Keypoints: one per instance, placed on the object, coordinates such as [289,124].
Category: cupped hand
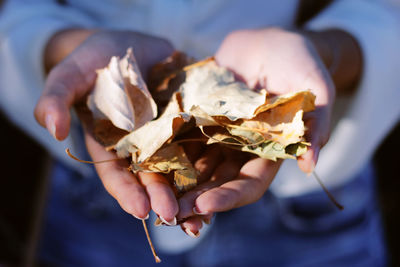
[69,83]
[284,62]
[281,62]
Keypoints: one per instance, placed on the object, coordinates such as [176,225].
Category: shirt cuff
[26,30]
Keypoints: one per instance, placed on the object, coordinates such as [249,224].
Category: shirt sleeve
[26,27]
[371,113]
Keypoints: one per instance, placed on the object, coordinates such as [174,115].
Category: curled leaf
[121,95]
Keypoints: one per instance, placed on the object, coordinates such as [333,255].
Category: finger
[318,128]
[162,197]
[207,162]
[251,183]
[118,181]
[226,171]
[192,226]
[308,160]
[65,84]
[193,150]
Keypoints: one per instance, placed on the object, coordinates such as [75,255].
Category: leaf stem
[87,161]
[331,197]
[157,259]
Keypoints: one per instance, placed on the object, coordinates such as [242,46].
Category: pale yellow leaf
[215,91]
[263,126]
[146,140]
[280,120]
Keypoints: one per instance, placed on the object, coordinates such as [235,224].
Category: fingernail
[50,125]
[170,223]
[191,234]
[197,212]
[314,160]
[139,218]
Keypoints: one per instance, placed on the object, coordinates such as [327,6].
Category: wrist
[322,46]
[341,55]
[62,44]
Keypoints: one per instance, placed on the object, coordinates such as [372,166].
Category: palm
[68,84]
[281,62]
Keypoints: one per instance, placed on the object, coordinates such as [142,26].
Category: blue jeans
[84,226]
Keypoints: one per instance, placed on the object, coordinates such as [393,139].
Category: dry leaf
[237,117]
[172,157]
[269,150]
[263,128]
[224,138]
[297,149]
[121,95]
[214,90]
[298,100]
[282,119]
[146,140]
[106,133]
[201,117]
[166,77]
[249,121]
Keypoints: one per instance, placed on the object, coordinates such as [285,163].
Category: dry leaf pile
[191,95]
[201,95]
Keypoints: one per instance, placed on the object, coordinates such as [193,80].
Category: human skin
[327,63]
[278,60]
[72,56]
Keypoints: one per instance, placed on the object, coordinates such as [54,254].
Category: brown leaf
[106,133]
[293,101]
[166,77]
[185,180]
[171,157]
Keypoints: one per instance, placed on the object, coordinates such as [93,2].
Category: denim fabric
[299,231]
[84,226]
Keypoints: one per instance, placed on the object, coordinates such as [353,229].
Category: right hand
[68,84]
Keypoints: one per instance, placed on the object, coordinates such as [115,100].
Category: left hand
[282,62]
[73,55]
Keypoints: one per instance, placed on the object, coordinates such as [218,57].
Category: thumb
[65,85]
[318,128]
[308,160]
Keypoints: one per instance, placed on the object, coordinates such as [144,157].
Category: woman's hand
[282,62]
[73,56]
